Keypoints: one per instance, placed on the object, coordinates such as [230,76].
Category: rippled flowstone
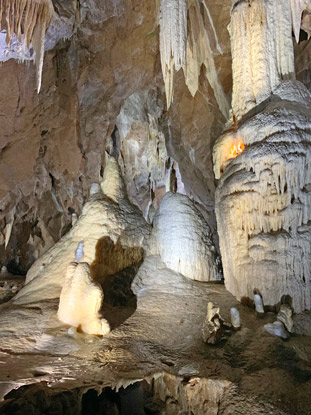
[263,163]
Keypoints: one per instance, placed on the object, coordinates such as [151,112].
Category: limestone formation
[212,326]
[107,214]
[183,239]
[140,146]
[28,21]
[277,329]
[235,318]
[261,38]
[264,169]
[258,304]
[189,50]
[81,299]
[285,317]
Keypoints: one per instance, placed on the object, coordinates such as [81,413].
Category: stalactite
[28,20]
[188,49]
[173,35]
[297,8]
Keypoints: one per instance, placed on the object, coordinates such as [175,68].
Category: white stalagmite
[188,50]
[30,19]
[263,198]
[235,318]
[258,304]
[81,299]
[183,239]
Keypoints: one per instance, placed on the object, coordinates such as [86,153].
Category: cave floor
[163,335]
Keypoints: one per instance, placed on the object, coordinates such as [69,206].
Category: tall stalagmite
[263,199]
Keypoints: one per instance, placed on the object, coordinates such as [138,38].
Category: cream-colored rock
[263,201]
[262,51]
[183,239]
[148,171]
[211,329]
[264,163]
[285,316]
[81,299]
[108,215]
[185,42]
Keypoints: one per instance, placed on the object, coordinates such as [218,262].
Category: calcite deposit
[81,300]
[263,194]
[183,239]
[31,20]
[107,201]
[107,214]
[139,144]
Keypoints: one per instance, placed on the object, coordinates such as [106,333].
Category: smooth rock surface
[183,239]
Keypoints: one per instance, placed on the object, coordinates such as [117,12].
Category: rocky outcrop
[183,239]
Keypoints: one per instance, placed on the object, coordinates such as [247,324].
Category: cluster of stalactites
[173,37]
[28,20]
[261,39]
[185,43]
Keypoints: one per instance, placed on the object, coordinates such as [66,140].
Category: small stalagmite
[285,317]
[235,318]
[81,299]
[212,326]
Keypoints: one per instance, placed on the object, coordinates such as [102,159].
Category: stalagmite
[212,326]
[28,20]
[285,316]
[235,318]
[81,299]
[277,329]
[110,235]
[183,239]
[263,198]
[258,304]
[79,252]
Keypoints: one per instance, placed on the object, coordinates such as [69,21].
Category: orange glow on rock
[232,149]
[236,148]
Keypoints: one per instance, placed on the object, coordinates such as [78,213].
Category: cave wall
[52,145]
